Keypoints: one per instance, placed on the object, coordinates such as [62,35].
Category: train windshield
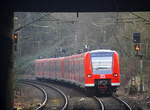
[102,62]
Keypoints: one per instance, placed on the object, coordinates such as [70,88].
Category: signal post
[139,55]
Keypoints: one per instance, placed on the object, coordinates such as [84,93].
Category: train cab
[104,72]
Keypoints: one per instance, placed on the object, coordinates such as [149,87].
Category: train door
[49,68]
[62,69]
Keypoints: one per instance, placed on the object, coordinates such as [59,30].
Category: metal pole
[141,74]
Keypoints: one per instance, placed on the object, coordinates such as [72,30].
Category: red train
[98,69]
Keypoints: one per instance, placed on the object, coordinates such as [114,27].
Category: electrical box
[136,37]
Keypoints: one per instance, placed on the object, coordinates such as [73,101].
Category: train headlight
[115,74]
[89,75]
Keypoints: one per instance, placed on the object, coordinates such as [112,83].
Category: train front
[105,70]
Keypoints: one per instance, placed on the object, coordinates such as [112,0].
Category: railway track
[99,102]
[113,103]
[126,105]
[45,96]
[57,92]
[103,103]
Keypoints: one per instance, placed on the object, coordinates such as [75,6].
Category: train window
[78,69]
[49,64]
[39,68]
[52,68]
[46,67]
[58,72]
[36,67]
[82,69]
[56,68]
[66,68]
[53,72]
[102,62]
[72,68]
[69,67]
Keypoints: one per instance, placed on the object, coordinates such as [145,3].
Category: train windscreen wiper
[98,68]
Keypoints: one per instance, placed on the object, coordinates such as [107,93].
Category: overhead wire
[138,16]
[21,27]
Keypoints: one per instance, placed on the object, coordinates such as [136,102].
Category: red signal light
[15,37]
[137,47]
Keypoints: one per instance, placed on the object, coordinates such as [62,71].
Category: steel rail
[122,101]
[58,90]
[43,91]
[100,103]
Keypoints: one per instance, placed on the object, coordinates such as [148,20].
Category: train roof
[48,59]
[73,56]
[101,50]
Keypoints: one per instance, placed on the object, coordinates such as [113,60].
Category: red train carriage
[94,69]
